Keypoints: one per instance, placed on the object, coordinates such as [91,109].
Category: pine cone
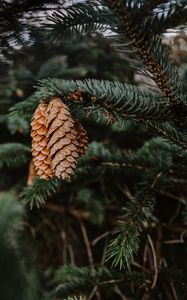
[40,151]
[82,138]
[63,145]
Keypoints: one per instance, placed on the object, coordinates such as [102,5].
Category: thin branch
[119,292]
[154,262]
[87,242]
[93,292]
[100,237]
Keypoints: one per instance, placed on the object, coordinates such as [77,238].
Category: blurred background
[70,223]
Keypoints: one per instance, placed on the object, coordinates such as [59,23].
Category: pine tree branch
[118,101]
[116,98]
[17,19]
[170,132]
[37,194]
[80,20]
[20,114]
[147,53]
[165,19]
[155,155]
[113,101]
[13,154]
[122,249]
[71,280]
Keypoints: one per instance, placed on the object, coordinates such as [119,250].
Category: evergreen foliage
[13,154]
[80,21]
[135,215]
[16,271]
[117,230]
[38,193]
[71,279]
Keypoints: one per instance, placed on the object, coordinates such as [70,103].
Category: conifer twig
[150,60]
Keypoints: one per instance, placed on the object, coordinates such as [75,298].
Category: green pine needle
[13,154]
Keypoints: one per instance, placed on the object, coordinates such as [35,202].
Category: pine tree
[107,222]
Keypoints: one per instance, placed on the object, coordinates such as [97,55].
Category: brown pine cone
[82,138]
[40,152]
[63,145]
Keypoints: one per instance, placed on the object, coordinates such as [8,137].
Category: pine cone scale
[59,134]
